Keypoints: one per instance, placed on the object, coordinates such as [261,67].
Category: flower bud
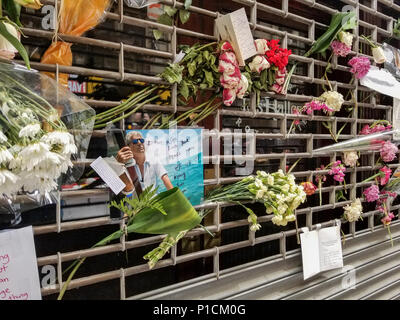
[378,55]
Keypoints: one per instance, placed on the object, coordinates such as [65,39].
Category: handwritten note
[235,28]
[108,175]
[19,277]
[321,250]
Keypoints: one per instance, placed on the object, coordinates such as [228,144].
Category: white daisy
[29,131]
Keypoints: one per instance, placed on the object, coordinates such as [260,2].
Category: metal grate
[309,20]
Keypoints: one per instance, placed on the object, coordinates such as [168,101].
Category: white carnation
[333,99]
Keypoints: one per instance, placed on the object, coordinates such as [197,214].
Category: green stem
[127,114]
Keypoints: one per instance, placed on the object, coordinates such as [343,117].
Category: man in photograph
[147,171]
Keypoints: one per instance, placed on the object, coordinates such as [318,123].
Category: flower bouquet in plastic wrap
[43,128]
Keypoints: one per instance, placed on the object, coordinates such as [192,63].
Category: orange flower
[309,188]
[33,4]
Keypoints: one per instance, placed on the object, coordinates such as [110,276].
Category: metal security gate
[236,263]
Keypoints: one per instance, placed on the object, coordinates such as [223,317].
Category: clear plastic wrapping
[43,127]
[140,3]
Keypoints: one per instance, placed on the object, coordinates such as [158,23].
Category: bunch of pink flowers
[338,171]
[359,66]
[376,127]
[234,83]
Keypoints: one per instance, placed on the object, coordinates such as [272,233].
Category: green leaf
[170,11]
[157,34]
[263,76]
[165,19]
[173,73]
[199,59]
[13,10]
[184,90]
[192,68]
[206,55]
[184,15]
[15,42]
[338,22]
[187,4]
[209,78]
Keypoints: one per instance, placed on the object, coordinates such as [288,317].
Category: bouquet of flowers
[267,70]
[37,137]
[278,191]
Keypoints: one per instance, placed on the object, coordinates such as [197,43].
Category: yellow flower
[33,4]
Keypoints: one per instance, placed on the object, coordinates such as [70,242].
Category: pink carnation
[340,49]
[388,151]
[387,219]
[371,193]
[360,66]
[338,171]
[316,105]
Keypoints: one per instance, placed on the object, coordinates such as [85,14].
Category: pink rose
[229,81]
[229,57]
[229,95]
[226,67]
[261,46]
[226,46]
[242,88]
[259,64]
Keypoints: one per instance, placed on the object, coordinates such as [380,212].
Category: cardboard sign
[235,28]
[19,276]
[321,250]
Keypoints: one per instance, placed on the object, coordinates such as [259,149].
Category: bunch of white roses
[280,194]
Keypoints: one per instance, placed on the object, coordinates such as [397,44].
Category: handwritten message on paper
[19,278]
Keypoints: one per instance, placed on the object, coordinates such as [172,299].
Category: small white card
[108,175]
[321,250]
[235,28]
[19,276]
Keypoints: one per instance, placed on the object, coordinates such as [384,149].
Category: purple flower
[340,49]
[372,193]
[360,66]
[388,151]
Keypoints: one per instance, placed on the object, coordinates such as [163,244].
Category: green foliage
[170,15]
[132,206]
[13,40]
[396,28]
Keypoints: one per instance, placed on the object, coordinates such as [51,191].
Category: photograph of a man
[147,171]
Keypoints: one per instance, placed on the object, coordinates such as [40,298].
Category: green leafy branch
[171,15]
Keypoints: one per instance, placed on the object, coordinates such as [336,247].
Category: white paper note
[382,81]
[108,175]
[330,248]
[235,28]
[310,254]
[321,251]
[19,277]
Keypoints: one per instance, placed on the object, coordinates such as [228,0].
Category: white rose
[259,64]
[378,55]
[346,38]
[7,50]
[261,46]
